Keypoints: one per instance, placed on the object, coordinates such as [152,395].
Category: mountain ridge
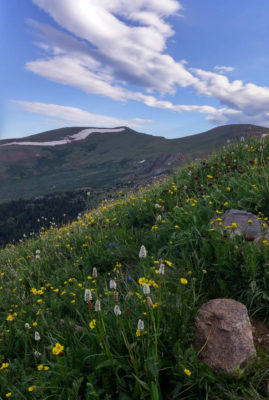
[101,159]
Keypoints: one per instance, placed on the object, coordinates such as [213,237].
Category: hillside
[70,160]
[88,314]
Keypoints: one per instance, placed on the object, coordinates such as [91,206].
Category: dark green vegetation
[102,160]
[56,345]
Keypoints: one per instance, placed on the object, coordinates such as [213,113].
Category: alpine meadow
[103,308]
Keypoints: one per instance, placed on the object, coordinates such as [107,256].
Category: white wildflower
[146,289]
[87,295]
[37,336]
[159,218]
[94,272]
[142,252]
[117,311]
[161,269]
[37,354]
[112,284]
[97,306]
[140,325]
[27,326]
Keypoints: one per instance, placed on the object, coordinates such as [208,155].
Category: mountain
[67,159]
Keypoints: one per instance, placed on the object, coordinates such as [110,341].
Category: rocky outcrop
[224,335]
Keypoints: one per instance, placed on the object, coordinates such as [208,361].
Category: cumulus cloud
[247,98]
[78,116]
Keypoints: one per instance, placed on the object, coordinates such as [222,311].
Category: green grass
[104,356]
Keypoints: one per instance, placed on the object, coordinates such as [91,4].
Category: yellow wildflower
[92,324]
[31,388]
[187,372]
[57,349]
[183,281]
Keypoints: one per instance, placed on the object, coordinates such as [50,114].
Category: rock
[251,230]
[224,335]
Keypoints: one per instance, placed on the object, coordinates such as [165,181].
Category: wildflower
[187,372]
[37,336]
[4,366]
[116,297]
[128,295]
[168,263]
[228,189]
[57,349]
[146,289]
[249,238]
[140,325]
[234,225]
[111,245]
[138,333]
[161,269]
[183,281]
[31,388]
[37,354]
[117,311]
[149,302]
[97,306]
[142,252]
[94,273]
[87,295]
[250,221]
[40,367]
[130,278]
[46,368]
[204,271]
[92,324]
[26,325]
[8,394]
[142,281]
[112,284]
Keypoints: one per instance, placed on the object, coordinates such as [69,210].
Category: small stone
[224,335]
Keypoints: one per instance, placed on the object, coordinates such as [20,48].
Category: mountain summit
[76,157]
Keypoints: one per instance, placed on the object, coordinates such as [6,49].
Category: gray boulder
[247,224]
[223,335]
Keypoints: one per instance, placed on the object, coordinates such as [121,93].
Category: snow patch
[69,139]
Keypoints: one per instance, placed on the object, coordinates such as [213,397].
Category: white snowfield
[69,139]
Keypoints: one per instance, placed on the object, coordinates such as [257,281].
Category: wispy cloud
[77,116]
[222,69]
[118,49]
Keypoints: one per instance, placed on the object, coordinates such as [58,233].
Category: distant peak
[81,135]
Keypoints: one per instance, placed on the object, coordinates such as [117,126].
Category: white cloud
[248,98]
[134,52]
[78,116]
[223,70]
[118,49]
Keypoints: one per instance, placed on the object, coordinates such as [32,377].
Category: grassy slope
[101,160]
[103,355]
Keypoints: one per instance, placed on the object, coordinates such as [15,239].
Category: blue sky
[169,68]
